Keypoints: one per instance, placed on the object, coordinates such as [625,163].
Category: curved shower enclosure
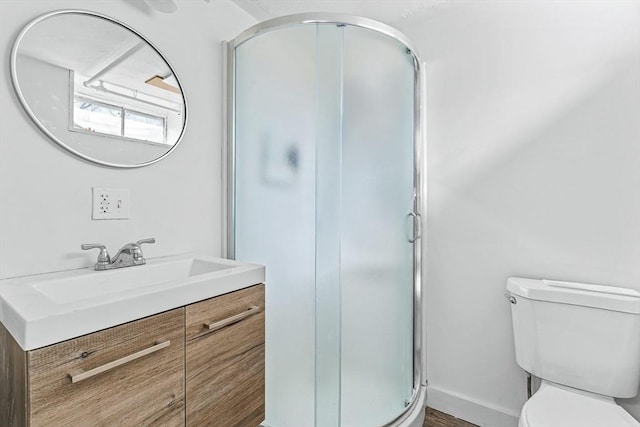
[324,189]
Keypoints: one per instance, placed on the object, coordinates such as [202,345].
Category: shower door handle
[417,228]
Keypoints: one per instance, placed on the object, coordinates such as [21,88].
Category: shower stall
[323,176]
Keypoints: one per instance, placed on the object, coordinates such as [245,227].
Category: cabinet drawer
[225,360]
[129,375]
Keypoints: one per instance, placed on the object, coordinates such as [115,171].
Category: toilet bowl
[583,342]
[554,405]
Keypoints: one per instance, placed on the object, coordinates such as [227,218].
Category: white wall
[533,170]
[45,193]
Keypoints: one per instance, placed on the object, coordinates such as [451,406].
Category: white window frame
[85,98]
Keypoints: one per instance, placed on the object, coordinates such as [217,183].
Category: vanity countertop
[45,309]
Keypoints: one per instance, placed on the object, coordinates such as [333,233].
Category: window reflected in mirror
[98,88]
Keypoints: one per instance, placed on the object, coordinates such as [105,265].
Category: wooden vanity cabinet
[134,374]
[225,360]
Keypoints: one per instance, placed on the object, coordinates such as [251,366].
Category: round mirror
[98,88]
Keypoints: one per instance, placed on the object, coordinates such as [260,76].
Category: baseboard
[468,409]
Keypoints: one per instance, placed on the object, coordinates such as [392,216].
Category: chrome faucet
[128,255]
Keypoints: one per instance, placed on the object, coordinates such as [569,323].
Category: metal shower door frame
[229,148]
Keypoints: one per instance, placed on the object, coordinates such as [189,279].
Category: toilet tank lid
[597,296]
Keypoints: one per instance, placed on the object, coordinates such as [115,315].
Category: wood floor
[440,419]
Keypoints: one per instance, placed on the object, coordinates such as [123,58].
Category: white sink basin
[92,284]
[45,309]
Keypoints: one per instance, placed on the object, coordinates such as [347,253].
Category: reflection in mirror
[98,88]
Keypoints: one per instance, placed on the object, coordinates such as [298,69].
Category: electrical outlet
[110,203]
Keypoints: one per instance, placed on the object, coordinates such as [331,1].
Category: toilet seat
[558,406]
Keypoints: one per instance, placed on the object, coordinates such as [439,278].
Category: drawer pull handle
[214,326]
[81,375]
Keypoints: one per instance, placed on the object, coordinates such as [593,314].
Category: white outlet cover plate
[110,203]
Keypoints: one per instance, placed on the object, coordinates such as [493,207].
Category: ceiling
[392,12]
[88,44]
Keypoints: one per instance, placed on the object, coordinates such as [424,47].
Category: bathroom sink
[92,283]
[44,309]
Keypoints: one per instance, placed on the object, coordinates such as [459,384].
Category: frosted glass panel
[275,206]
[376,257]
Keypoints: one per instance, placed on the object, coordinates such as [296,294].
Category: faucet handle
[137,253]
[149,240]
[103,256]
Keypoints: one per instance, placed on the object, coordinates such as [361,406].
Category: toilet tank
[582,336]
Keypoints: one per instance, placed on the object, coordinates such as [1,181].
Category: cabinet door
[225,360]
[129,375]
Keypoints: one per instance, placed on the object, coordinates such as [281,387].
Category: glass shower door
[377,189]
[324,184]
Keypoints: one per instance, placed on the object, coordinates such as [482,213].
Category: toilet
[583,342]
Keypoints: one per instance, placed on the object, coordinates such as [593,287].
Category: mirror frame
[34,118]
